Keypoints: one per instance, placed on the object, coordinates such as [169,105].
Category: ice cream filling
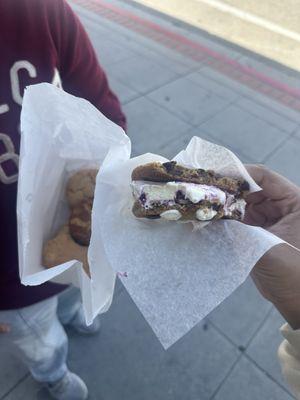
[152,194]
[176,192]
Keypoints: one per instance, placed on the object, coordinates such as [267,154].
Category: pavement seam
[233,149]
[257,366]
[225,337]
[124,103]
[268,313]
[260,325]
[155,51]
[243,351]
[15,385]
[233,102]
[251,97]
[294,135]
[252,360]
[288,132]
[177,138]
[187,122]
[197,69]
[145,93]
[281,144]
[226,377]
[245,354]
[213,91]
[164,108]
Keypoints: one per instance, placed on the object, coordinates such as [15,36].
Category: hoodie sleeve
[79,69]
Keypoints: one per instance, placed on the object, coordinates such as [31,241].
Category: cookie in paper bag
[63,248]
[73,239]
[80,195]
[80,222]
[81,187]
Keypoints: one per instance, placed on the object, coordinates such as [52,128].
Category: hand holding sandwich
[277,209]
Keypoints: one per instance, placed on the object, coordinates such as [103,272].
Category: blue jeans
[37,335]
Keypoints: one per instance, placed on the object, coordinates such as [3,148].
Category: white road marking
[252,18]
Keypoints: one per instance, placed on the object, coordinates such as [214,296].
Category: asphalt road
[267,27]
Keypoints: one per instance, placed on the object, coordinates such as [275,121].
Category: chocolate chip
[179,195]
[216,207]
[201,172]
[229,190]
[180,198]
[156,204]
[244,186]
[142,198]
[169,166]
[153,216]
[237,214]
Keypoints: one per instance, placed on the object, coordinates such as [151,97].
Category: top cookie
[171,171]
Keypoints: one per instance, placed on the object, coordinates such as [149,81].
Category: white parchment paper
[61,134]
[175,274]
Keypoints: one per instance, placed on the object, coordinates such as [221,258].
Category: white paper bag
[61,134]
[175,274]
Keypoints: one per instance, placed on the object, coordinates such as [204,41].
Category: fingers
[255,198]
[274,185]
[254,217]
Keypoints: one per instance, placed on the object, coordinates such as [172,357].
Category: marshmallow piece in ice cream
[237,206]
[205,214]
[171,215]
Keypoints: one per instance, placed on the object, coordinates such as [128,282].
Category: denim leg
[38,338]
[69,303]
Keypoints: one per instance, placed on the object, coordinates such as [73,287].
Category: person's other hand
[277,209]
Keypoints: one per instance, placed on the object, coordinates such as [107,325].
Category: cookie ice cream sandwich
[174,192]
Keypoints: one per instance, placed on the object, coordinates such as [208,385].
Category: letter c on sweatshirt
[14,78]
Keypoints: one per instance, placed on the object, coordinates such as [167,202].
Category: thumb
[274,186]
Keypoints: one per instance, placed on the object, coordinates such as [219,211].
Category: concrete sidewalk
[168,98]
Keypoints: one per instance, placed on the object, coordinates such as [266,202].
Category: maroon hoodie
[40,41]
